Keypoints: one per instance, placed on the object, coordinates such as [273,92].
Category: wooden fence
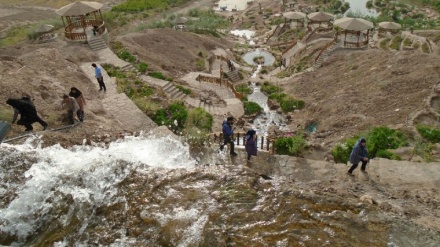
[220,82]
[264,143]
[75,30]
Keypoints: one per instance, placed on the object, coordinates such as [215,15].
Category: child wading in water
[251,144]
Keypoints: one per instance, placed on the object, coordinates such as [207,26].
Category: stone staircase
[173,92]
[128,67]
[324,55]
[212,109]
[233,77]
[97,43]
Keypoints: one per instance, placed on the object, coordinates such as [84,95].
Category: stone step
[172,90]
[97,43]
[181,96]
[232,76]
[175,94]
[128,67]
[167,86]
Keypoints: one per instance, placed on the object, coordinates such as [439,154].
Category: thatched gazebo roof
[181,20]
[294,15]
[320,16]
[79,8]
[354,24]
[390,25]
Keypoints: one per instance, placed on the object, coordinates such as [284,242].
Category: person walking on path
[75,93]
[251,144]
[99,77]
[72,107]
[228,132]
[27,111]
[358,154]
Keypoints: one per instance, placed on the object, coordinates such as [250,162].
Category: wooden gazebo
[355,27]
[78,17]
[298,17]
[320,18]
[390,27]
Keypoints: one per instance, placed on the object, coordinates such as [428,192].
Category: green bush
[341,152]
[144,91]
[429,133]
[142,67]
[289,104]
[269,88]
[126,56]
[147,106]
[290,145]
[157,75]
[200,119]
[200,64]
[387,155]
[383,138]
[251,108]
[184,90]
[174,116]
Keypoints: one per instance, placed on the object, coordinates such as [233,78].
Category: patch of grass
[294,146]
[396,42]
[126,56]
[174,116]
[341,152]
[407,42]
[200,64]
[142,67]
[15,35]
[251,108]
[387,155]
[244,89]
[6,113]
[384,44]
[269,89]
[200,119]
[416,45]
[146,105]
[429,133]
[159,75]
[184,90]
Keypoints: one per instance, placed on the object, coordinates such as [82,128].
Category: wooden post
[238,139]
[273,147]
[267,144]
[262,142]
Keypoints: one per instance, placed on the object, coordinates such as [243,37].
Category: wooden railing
[326,47]
[264,143]
[71,33]
[323,29]
[288,48]
[356,44]
[288,43]
[220,82]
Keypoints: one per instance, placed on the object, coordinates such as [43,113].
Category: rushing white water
[83,173]
[247,34]
[269,118]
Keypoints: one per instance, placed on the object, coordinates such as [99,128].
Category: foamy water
[83,173]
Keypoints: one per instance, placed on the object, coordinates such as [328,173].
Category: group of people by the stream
[74,102]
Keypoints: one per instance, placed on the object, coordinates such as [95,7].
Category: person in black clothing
[359,154]
[27,111]
[75,93]
[228,132]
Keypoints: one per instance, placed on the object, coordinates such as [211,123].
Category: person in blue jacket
[358,154]
[228,132]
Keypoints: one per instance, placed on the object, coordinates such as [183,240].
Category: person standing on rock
[359,154]
[75,93]
[72,107]
[228,132]
[99,77]
[27,111]
[251,144]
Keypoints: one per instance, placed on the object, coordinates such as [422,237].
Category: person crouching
[251,144]
[72,107]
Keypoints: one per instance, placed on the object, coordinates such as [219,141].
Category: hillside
[355,90]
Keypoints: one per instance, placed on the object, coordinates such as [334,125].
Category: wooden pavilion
[355,28]
[79,17]
[389,27]
[298,17]
[321,18]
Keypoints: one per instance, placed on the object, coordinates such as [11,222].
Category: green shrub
[200,64]
[157,75]
[200,119]
[126,56]
[6,114]
[383,138]
[423,150]
[184,90]
[341,152]
[269,88]
[129,91]
[396,42]
[251,108]
[147,106]
[142,67]
[174,116]
[289,104]
[387,155]
[429,133]
[290,145]
[144,91]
